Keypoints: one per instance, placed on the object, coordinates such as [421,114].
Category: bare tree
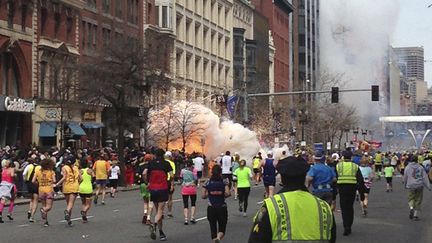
[163,125]
[187,119]
[121,74]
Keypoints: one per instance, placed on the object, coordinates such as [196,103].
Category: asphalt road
[120,221]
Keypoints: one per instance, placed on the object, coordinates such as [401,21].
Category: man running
[269,174]
[159,186]
[321,177]
[168,158]
[102,169]
[198,164]
[256,163]
[227,168]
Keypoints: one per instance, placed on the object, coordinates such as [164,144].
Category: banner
[231,105]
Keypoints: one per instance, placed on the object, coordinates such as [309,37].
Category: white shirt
[115,172]
[226,164]
[198,163]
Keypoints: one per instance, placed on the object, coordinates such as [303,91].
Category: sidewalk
[24,201]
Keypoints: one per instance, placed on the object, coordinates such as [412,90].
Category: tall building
[278,14]
[305,44]
[394,94]
[17,51]
[411,60]
[202,60]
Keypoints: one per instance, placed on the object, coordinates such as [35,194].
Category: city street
[120,221]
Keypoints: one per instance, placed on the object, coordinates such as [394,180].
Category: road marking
[201,218]
[75,219]
[116,210]
[260,202]
[23,225]
[177,200]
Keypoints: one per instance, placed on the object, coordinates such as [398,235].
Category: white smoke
[217,137]
[354,40]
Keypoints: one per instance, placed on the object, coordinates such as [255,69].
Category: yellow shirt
[101,168]
[71,183]
[45,180]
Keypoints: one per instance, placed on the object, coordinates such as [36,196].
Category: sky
[414,28]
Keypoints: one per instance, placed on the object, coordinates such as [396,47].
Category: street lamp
[303,113]
[364,133]
[356,132]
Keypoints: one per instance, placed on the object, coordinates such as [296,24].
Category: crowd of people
[86,174]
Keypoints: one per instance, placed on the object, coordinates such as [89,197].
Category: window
[11,12]
[157,15]
[44,15]
[132,6]
[238,46]
[149,12]
[10,75]
[69,26]
[106,6]
[57,22]
[106,37]
[91,3]
[43,67]
[119,9]
[23,16]
[164,17]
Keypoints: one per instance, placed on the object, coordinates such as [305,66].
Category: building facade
[202,55]
[17,26]
[411,60]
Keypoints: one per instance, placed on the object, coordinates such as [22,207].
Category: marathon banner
[231,105]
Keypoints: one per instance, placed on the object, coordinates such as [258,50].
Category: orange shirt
[45,180]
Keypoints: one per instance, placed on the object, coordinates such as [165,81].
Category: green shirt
[243,175]
[388,171]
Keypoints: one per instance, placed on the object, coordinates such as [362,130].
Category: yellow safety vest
[173,168]
[346,172]
[298,216]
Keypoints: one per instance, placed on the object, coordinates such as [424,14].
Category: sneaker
[244,214]
[193,221]
[411,213]
[144,219]
[43,214]
[416,218]
[186,222]
[95,199]
[152,229]
[69,222]
[103,202]
[66,215]
[148,222]
[162,237]
[28,214]
[31,220]
[84,216]
[46,224]
[241,208]
[9,216]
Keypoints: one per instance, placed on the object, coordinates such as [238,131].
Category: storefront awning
[76,129]
[47,129]
[93,125]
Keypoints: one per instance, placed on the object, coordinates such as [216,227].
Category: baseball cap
[293,167]
[168,154]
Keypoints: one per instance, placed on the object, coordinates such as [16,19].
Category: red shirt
[157,172]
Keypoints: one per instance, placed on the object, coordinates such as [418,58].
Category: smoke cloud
[354,40]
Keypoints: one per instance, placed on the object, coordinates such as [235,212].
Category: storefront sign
[89,116]
[16,104]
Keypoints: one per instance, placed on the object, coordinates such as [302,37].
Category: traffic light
[335,95]
[375,93]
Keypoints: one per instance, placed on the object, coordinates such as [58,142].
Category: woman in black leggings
[216,190]
[189,190]
[243,174]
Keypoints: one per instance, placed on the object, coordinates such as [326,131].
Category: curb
[27,201]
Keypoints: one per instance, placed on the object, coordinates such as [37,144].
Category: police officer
[293,214]
[348,177]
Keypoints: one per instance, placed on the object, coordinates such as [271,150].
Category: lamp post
[364,133]
[356,132]
[303,120]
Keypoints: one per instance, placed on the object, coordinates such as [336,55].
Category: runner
[198,162]
[216,189]
[243,174]
[157,174]
[168,158]
[102,169]
[378,164]
[45,177]
[29,173]
[7,188]
[86,190]
[388,173]
[235,165]
[114,177]
[143,163]
[70,181]
[256,162]
[189,179]
[269,174]
[227,168]
[321,177]
[364,189]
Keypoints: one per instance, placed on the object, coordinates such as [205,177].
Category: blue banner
[231,105]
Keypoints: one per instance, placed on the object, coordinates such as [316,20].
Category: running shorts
[256,171]
[199,174]
[269,181]
[113,183]
[389,179]
[32,188]
[101,182]
[86,195]
[158,196]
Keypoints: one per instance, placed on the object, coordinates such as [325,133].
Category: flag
[231,105]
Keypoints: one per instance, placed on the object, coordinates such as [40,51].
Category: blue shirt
[269,169]
[356,159]
[322,177]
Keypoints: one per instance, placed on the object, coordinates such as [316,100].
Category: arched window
[10,78]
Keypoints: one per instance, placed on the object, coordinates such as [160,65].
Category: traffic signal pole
[246,96]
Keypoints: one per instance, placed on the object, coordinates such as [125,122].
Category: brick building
[15,71]
[278,14]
